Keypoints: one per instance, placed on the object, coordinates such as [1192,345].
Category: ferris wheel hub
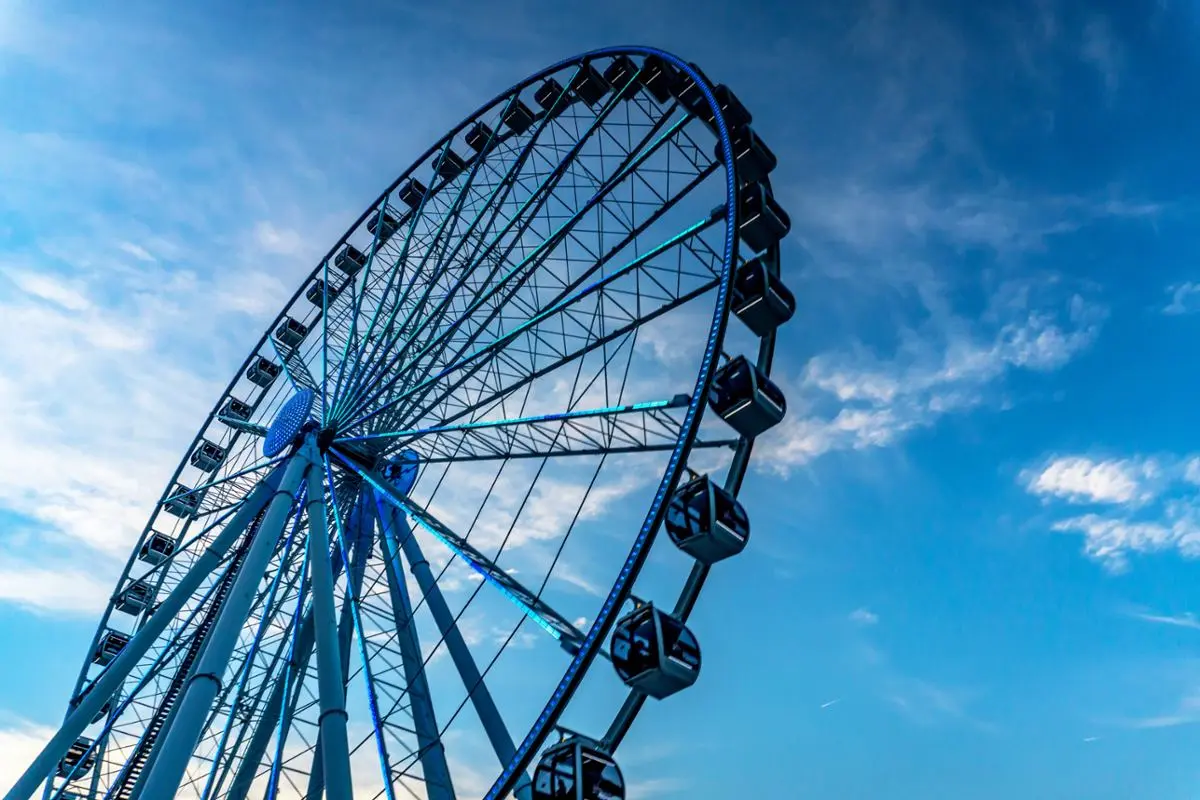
[289,423]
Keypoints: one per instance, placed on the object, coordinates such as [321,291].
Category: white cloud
[137,251]
[864,617]
[1185,298]
[1153,502]
[20,742]
[1110,540]
[1079,479]
[54,590]
[1185,620]
[878,401]
[278,241]
[1186,712]
[50,288]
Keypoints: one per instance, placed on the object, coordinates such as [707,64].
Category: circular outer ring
[641,545]
[654,516]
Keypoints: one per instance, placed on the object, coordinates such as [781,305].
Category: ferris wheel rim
[641,545]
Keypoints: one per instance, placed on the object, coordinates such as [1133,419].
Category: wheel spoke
[532,606]
[560,307]
[536,201]
[540,252]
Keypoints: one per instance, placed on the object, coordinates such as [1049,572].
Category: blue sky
[973,566]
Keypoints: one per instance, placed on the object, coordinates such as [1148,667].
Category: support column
[464,662]
[294,672]
[438,784]
[358,551]
[202,687]
[111,679]
[335,749]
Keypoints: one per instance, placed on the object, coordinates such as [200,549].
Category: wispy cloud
[1185,298]
[20,742]
[1185,712]
[137,251]
[1079,479]
[864,616]
[1185,620]
[873,402]
[1101,50]
[1149,503]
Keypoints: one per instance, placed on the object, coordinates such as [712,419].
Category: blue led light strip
[385,764]
[637,553]
[679,402]
[461,549]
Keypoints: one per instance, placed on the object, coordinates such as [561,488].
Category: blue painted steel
[150,672]
[496,423]
[284,720]
[353,399]
[204,486]
[537,618]
[364,518]
[288,422]
[637,554]
[537,252]
[254,646]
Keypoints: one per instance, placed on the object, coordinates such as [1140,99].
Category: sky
[973,567]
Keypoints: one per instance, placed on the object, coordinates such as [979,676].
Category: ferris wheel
[400,556]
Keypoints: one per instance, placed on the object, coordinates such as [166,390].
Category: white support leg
[112,678]
[335,747]
[180,740]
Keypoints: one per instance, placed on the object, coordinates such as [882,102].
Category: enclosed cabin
[350,260]
[654,652]
[550,97]
[588,84]
[290,333]
[136,598]
[479,137]
[78,760]
[263,372]
[183,502]
[736,115]
[317,294]
[753,159]
[659,78]
[621,75]
[207,456]
[157,548]
[383,231]
[707,522]
[104,711]
[109,647]
[236,409]
[745,398]
[688,92]
[763,221]
[412,193]
[517,117]
[577,769]
[449,164]
[759,298]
